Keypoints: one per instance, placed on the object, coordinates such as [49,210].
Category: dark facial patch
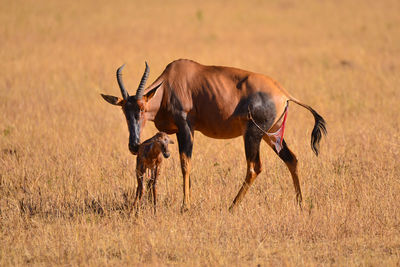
[132,112]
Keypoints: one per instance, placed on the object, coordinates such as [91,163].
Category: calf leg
[139,189]
[155,174]
[252,141]
[291,162]
[149,185]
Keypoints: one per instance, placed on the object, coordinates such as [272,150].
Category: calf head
[134,107]
[162,140]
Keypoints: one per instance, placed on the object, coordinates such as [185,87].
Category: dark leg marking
[291,162]
[252,141]
[185,142]
[263,112]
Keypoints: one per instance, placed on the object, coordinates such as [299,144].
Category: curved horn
[124,93]
[139,92]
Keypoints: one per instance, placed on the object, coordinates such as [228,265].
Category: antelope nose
[133,148]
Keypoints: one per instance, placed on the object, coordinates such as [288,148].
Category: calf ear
[170,141]
[113,100]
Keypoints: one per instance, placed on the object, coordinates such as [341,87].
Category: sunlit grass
[67,177]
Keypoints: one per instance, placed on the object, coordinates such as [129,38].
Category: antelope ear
[152,92]
[113,100]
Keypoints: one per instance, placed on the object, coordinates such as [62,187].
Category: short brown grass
[66,175]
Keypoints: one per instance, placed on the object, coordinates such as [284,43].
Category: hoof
[184,209]
[231,209]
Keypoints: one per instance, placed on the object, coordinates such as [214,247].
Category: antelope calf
[149,159]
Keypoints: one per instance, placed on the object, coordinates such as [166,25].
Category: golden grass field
[67,177]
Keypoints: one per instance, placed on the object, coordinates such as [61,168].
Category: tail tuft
[319,128]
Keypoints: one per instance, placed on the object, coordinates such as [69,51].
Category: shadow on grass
[36,205]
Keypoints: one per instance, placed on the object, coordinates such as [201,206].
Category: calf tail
[319,127]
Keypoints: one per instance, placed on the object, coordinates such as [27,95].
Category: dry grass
[66,175]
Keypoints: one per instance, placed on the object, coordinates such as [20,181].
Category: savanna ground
[66,175]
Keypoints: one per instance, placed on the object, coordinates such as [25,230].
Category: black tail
[319,127]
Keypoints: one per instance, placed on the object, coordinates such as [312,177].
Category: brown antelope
[220,102]
[149,158]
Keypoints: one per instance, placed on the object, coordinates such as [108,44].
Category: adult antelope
[220,102]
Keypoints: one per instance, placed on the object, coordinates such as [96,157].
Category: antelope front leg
[185,166]
[185,142]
